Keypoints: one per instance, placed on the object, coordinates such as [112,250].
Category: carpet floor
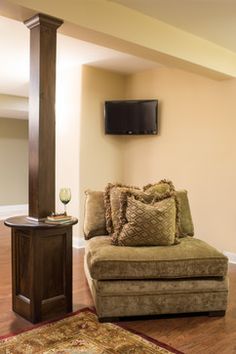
[81,332]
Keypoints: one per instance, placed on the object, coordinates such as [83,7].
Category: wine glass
[65,197]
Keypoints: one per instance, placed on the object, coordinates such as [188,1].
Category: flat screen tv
[133,117]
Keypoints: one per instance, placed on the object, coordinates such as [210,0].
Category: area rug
[81,333]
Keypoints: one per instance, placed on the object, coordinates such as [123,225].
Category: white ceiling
[14,58]
[213,20]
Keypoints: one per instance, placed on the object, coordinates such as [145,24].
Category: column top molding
[42,19]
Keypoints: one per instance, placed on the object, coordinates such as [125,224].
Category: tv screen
[131,117]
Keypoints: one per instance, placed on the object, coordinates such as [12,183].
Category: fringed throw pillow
[113,193]
[112,203]
[142,224]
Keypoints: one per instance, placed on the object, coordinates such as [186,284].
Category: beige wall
[68,137]
[13,106]
[195,148]
[100,154]
[14,161]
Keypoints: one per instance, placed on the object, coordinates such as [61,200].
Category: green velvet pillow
[160,187]
[142,224]
[185,219]
[94,214]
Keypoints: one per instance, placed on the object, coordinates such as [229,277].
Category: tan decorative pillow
[161,190]
[149,194]
[144,224]
[112,203]
[160,187]
[94,214]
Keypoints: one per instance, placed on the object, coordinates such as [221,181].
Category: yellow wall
[100,154]
[195,147]
[14,161]
[68,92]
[13,106]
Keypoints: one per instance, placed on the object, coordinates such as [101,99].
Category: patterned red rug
[81,332]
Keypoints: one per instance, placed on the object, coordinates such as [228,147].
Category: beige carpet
[81,333]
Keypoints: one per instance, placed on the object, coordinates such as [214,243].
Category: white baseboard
[78,242]
[7,211]
[231,256]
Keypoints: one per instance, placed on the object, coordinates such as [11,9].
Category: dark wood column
[42,114]
[41,252]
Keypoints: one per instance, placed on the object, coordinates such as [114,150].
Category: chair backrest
[94,214]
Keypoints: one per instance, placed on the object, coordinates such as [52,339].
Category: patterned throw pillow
[160,190]
[149,194]
[144,224]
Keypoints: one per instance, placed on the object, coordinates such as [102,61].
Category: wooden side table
[41,268]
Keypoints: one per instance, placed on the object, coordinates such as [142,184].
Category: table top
[27,222]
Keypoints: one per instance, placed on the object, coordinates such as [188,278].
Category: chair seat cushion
[189,259]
